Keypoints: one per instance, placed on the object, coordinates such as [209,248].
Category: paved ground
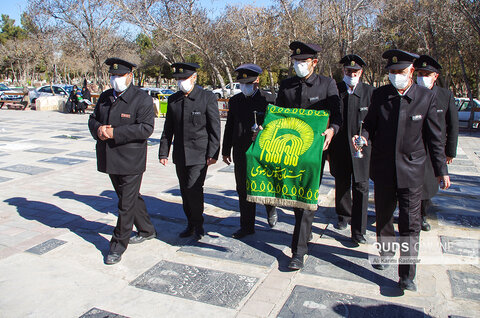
[57,214]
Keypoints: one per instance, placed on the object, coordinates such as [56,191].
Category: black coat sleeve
[333,101]
[167,134]
[451,122]
[93,121]
[213,127]
[228,131]
[434,142]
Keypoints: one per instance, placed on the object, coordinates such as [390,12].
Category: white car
[464,109]
[232,89]
[46,91]
[5,93]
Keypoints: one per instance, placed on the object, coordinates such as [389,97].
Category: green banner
[283,164]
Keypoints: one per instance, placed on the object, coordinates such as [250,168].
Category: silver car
[46,91]
[464,110]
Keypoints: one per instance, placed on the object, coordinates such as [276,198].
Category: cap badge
[352,63]
[244,75]
[180,70]
[115,66]
[394,59]
[298,51]
[424,64]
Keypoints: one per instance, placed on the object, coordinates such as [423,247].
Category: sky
[14,8]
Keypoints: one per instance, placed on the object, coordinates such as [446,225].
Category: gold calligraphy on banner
[284,190]
[277,173]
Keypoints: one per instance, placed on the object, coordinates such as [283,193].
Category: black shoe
[380,267]
[341,225]
[139,239]
[242,233]
[296,263]
[198,233]
[425,226]
[407,284]
[359,239]
[113,258]
[187,232]
[272,217]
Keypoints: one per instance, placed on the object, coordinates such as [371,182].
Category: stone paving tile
[460,246]
[26,169]
[255,249]
[46,150]
[454,219]
[45,247]
[83,154]
[465,285]
[40,141]
[63,161]
[229,169]
[4,179]
[99,313]
[311,302]
[73,137]
[7,138]
[196,283]
[2,153]
[345,262]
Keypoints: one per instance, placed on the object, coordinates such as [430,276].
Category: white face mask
[400,81]
[301,68]
[119,83]
[185,85]
[351,81]
[426,81]
[247,89]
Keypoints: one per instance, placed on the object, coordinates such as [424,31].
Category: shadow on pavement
[387,310]
[55,217]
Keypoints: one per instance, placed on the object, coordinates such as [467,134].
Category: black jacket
[317,92]
[354,108]
[194,120]
[238,129]
[448,118]
[400,128]
[132,118]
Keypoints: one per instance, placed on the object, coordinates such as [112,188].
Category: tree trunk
[272,82]
[469,91]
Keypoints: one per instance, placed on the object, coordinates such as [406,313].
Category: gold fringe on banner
[281,202]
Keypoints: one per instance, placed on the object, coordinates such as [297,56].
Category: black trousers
[191,179]
[303,223]
[247,209]
[131,211]
[350,210]
[409,223]
[425,205]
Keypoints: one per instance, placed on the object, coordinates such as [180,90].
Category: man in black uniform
[401,122]
[121,123]
[193,118]
[351,173]
[238,134]
[311,91]
[427,74]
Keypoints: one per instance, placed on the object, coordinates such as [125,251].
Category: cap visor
[399,66]
[247,80]
[185,74]
[118,72]
[303,56]
[357,67]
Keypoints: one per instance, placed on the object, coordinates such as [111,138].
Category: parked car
[232,89]
[46,91]
[4,90]
[464,109]
[154,91]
